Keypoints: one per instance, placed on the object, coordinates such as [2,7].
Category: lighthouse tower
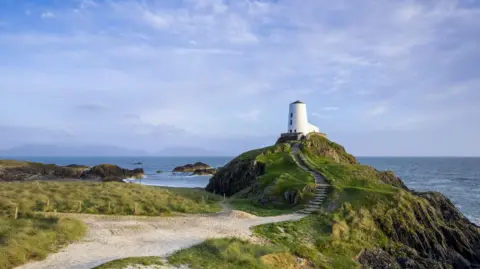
[297,120]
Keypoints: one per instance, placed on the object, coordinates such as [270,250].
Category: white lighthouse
[298,121]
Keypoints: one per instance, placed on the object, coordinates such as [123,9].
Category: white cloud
[88,4]
[251,115]
[331,108]
[47,15]
[377,111]
[321,116]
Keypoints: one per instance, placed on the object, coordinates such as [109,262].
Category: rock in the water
[190,168]
[78,166]
[159,171]
[110,172]
[204,172]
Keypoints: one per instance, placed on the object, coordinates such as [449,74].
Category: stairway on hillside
[321,185]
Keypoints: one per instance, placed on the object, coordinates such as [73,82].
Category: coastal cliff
[370,218]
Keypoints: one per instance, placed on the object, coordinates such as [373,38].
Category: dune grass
[33,238]
[32,235]
[229,253]
[132,261]
[103,198]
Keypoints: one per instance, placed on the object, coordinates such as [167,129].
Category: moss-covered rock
[191,167]
[110,172]
[23,171]
[204,172]
[19,170]
[236,176]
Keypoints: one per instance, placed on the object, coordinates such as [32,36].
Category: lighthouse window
[290,122]
[291,115]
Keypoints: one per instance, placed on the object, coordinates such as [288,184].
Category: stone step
[304,212]
[320,196]
[315,203]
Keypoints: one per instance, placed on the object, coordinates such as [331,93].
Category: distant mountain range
[100,150]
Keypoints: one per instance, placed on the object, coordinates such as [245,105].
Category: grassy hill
[369,219]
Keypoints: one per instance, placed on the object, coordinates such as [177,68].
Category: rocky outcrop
[430,232]
[388,177]
[190,168]
[20,171]
[23,171]
[110,172]
[235,176]
[204,172]
[317,145]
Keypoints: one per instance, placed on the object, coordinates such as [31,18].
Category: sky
[381,77]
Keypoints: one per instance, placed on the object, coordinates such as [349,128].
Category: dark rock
[19,171]
[378,259]
[292,197]
[110,172]
[78,166]
[204,172]
[235,176]
[190,168]
[159,171]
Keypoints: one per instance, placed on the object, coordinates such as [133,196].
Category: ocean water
[457,178]
[150,164]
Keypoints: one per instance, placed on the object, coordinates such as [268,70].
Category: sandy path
[109,239]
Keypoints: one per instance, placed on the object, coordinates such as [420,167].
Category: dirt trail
[111,238]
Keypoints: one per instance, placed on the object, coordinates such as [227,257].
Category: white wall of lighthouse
[298,121]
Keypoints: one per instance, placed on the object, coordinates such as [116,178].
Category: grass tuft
[225,254]
[132,261]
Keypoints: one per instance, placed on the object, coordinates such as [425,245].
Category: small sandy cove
[113,237]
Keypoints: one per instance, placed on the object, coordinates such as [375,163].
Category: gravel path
[111,238]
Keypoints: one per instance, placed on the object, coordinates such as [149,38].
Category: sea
[456,177]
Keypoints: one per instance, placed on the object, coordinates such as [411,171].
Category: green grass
[124,263]
[333,239]
[33,238]
[228,254]
[103,198]
[281,175]
[253,207]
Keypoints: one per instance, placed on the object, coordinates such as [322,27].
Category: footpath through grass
[26,235]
